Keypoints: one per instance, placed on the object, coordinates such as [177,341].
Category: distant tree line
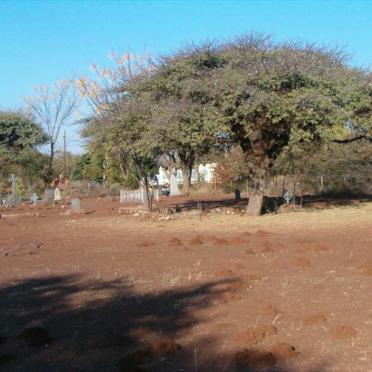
[258,108]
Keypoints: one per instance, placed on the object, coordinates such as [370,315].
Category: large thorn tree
[273,95]
[262,96]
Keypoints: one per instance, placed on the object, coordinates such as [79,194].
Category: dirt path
[224,293]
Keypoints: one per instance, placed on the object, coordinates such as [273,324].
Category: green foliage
[59,163]
[18,132]
[19,138]
[90,167]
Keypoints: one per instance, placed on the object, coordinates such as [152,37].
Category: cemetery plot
[109,291]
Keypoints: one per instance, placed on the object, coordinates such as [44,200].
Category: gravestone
[12,179]
[34,198]
[57,195]
[173,185]
[49,195]
[287,196]
[237,195]
[13,200]
[75,205]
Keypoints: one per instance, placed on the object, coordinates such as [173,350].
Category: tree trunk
[256,197]
[187,160]
[147,201]
[51,159]
[255,204]
[185,182]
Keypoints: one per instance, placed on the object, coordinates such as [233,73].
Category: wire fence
[330,182]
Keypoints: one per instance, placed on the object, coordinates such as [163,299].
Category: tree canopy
[17,131]
[19,138]
[263,96]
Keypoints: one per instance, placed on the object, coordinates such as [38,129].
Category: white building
[205,173]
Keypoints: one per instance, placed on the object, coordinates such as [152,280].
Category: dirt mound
[367,269]
[343,332]
[317,248]
[228,297]
[145,244]
[262,233]
[153,351]
[239,266]
[35,337]
[238,240]
[215,240]
[255,335]
[315,319]
[267,247]
[253,360]
[302,263]
[236,286]
[197,240]
[250,277]
[111,339]
[134,361]
[224,273]
[284,351]
[175,241]
[269,310]
[310,247]
[165,347]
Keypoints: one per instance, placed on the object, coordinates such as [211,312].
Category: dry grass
[318,219]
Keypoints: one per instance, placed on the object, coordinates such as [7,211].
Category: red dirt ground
[115,292]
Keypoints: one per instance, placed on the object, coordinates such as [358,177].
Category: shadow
[68,323]
[205,205]
[340,200]
[271,204]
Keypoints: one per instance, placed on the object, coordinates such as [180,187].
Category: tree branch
[349,140]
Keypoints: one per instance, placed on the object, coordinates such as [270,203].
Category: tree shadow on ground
[67,323]
[272,203]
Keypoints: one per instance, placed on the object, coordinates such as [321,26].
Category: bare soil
[103,291]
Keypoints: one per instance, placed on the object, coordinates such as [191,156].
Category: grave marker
[173,185]
[34,198]
[49,195]
[75,205]
[287,196]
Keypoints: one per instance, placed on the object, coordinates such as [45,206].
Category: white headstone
[34,198]
[173,185]
[75,205]
[57,194]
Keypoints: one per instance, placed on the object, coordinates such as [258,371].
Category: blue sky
[45,41]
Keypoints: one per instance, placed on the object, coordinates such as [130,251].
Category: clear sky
[45,41]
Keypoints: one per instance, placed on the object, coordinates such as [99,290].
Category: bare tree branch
[53,108]
[349,140]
